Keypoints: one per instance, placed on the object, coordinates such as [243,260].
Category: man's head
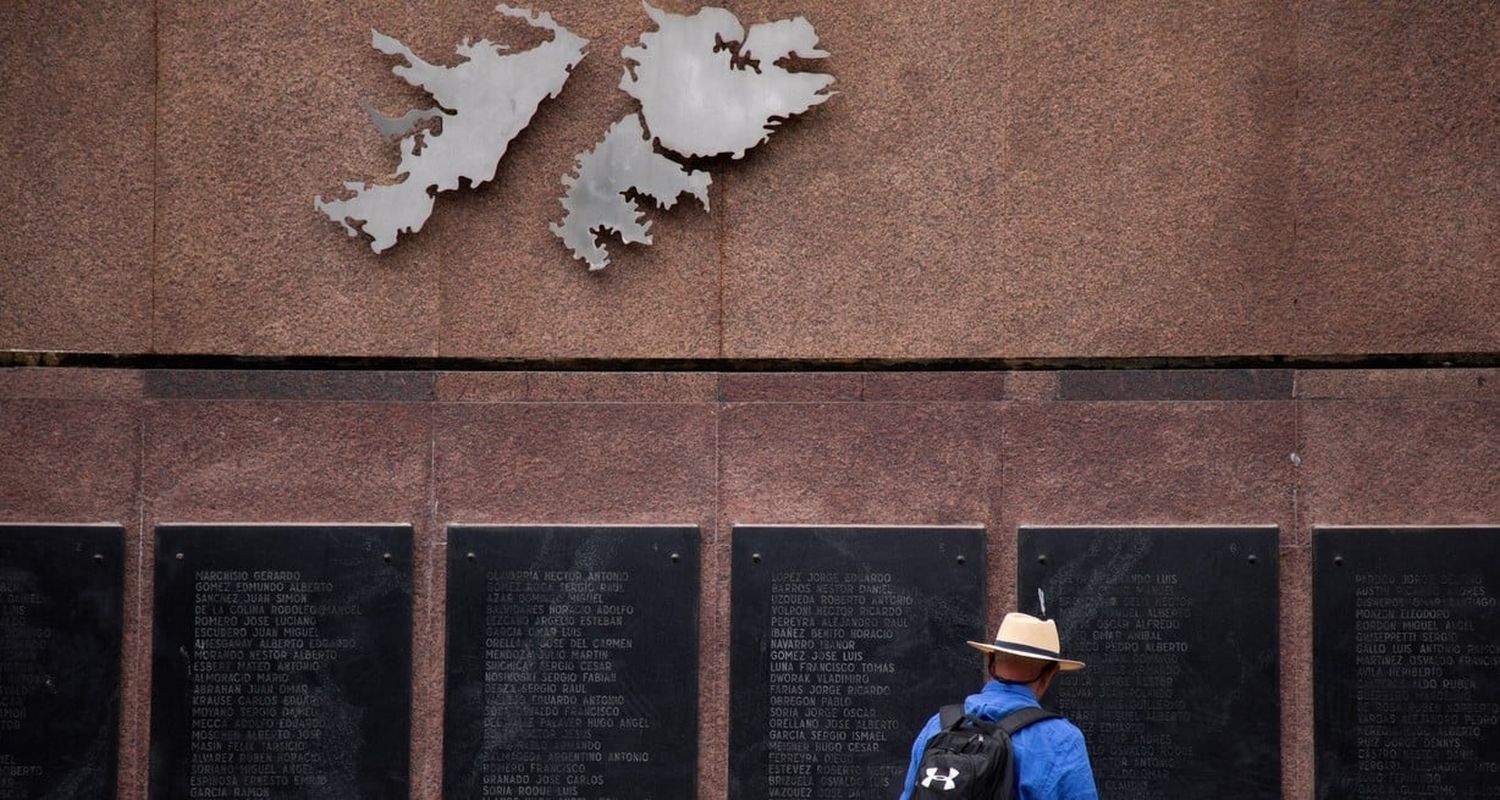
[1026,652]
[1033,673]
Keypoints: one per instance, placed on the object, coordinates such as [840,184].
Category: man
[1051,762]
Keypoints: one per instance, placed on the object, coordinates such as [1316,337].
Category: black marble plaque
[1406,662]
[282,662]
[1178,627]
[60,614]
[843,642]
[572,662]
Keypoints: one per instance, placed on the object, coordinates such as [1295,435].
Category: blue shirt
[1051,762]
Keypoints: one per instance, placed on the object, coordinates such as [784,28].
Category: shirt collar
[997,689]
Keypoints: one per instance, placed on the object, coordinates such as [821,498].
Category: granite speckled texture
[856,463]
[1174,462]
[1400,461]
[262,111]
[936,386]
[577,461]
[75,181]
[68,460]
[595,387]
[790,387]
[1032,181]
[1370,384]
[1297,755]
[811,387]
[297,461]
[72,384]
[1397,177]
[852,463]
[1373,447]
[268,384]
[1380,448]
[269,115]
[79,460]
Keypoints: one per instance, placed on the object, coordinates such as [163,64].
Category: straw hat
[1025,635]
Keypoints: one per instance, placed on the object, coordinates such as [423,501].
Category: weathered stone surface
[68,460]
[75,182]
[594,463]
[1397,179]
[1175,384]
[1032,180]
[79,460]
[71,384]
[711,449]
[1399,462]
[1372,384]
[300,461]
[566,387]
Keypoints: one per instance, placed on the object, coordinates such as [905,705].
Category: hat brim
[1063,664]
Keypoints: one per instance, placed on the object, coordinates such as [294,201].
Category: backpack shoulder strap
[1017,720]
[949,716]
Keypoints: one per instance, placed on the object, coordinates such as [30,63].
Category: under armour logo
[947,780]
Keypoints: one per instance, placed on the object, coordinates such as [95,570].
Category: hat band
[1026,648]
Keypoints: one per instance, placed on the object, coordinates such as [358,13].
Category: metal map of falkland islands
[484,102]
[706,88]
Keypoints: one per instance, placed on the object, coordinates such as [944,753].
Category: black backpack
[969,758]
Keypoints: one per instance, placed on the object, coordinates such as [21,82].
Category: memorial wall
[648,585]
[1105,294]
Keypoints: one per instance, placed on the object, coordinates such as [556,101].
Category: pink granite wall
[1016,179]
[1294,449]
